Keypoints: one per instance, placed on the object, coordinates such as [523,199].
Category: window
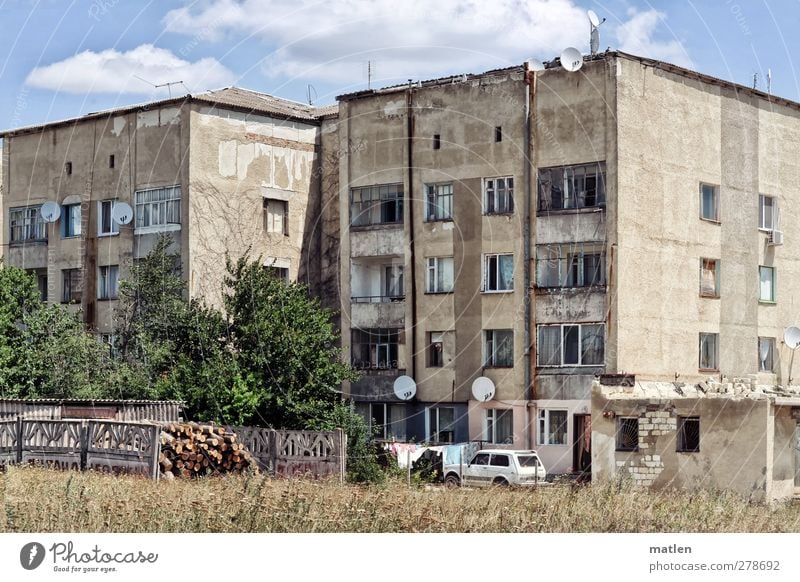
[499,426]
[68,168]
[498,273]
[709,351]
[439,202]
[499,348]
[441,420]
[571,344]
[276,216]
[107,282]
[435,349]
[709,277]
[71,221]
[437,141]
[572,187]
[376,205]
[766,288]
[375,349]
[281,273]
[481,459]
[105,221]
[498,195]
[766,351]
[72,285]
[386,421]
[552,427]
[499,460]
[111,340]
[767,212]
[627,434]
[498,134]
[111,161]
[158,207]
[688,434]
[393,282]
[709,202]
[570,265]
[26,224]
[440,275]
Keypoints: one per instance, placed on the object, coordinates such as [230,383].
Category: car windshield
[528,460]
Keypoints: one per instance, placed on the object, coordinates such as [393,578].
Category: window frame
[435,357]
[491,195]
[569,199]
[490,422]
[490,342]
[379,199]
[680,438]
[774,213]
[715,190]
[386,426]
[706,336]
[170,205]
[487,258]
[433,268]
[101,204]
[68,280]
[565,255]
[71,215]
[562,344]
[773,284]
[770,368]
[544,424]
[270,216]
[31,221]
[104,291]
[435,427]
[618,445]
[382,344]
[717,263]
[433,198]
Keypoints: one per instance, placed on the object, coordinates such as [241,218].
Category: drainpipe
[530,95]
[410,213]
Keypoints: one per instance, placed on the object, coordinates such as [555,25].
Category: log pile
[189,449]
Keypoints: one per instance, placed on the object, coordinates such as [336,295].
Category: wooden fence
[99,445]
[295,452]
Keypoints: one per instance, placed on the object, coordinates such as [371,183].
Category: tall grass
[51,501]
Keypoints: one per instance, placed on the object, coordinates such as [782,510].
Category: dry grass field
[51,501]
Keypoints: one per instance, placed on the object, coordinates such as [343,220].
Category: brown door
[582,444]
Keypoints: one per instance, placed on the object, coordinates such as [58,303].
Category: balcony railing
[378,299]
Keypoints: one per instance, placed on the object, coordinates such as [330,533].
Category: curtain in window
[506,272]
[708,351]
[708,278]
[767,288]
[571,334]
[503,348]
[397,422]
[549,345]
[445,274]
[557,427]
[547,266]
[504,426]
[592,345]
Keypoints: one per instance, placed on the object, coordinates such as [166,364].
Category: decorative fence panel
[296,453]
[56,443]
[9,442]
[123,447]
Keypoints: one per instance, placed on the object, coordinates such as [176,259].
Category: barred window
[158,207]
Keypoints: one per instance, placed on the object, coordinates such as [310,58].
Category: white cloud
[332,40]
[637,36]
[111,71]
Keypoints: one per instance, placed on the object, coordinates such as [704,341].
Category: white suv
[497,467]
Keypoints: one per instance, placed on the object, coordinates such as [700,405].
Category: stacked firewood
[189,449]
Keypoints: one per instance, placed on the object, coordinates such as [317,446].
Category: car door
[499,466]
[475,473]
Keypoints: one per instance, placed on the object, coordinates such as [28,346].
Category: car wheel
[500,482]
[452,481]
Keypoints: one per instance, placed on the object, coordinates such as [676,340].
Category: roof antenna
[309,90]
[755,80]
[769,81]
[594,33]
[167,85]
[370,74]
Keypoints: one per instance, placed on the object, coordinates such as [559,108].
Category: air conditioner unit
[775,237]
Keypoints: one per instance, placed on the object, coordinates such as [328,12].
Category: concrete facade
[202,169]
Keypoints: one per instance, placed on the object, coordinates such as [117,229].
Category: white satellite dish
[791,337]
[483,389]
[405,388]
[593,18]
[535,65]
[571,59]
[50,211]
[122,213]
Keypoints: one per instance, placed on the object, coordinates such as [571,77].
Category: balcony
[377,292]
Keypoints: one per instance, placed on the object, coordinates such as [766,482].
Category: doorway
[582,446]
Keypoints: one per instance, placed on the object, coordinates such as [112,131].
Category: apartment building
[220,172]
[632,220]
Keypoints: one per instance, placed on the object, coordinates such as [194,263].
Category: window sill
[568,366]
[709,296]
[70,237]
[570,288]
[588,209]
[626,450]
[106,234]
[696,451]
[711,221]
[156,229]
[497,292]
[107,298]
[488,367]
[438,293]
[21,243]
[435,220]
[378,226]
[499,213]
[767,302]
[708,370]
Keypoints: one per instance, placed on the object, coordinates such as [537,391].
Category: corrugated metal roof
[229,97]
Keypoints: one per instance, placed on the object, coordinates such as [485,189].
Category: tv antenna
[168,85]
[309,90]
[791,337]
[370,73]
[755,80]
[594,32]
[769,81]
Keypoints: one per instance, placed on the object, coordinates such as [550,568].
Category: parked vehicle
[497,467]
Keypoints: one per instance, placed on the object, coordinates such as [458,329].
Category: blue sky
[61,58]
